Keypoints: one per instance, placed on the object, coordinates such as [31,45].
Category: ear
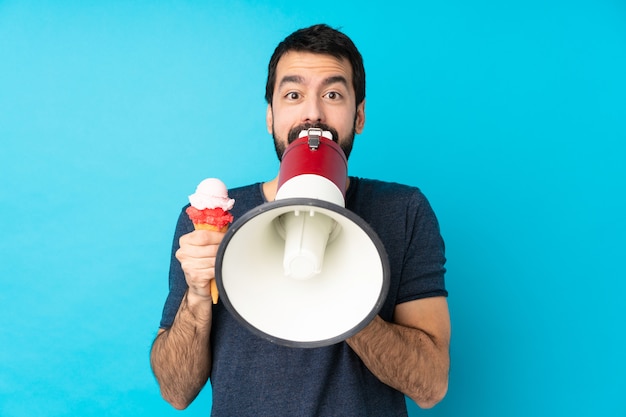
[359,122]
[269,119]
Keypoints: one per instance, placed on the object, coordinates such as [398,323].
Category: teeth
[325,133]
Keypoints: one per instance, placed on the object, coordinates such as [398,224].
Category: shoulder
[390,195]
[245,190]
[392,208]
[246,197]
[368,186]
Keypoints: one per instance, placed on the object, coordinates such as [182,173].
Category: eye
[333,95]
[292,95]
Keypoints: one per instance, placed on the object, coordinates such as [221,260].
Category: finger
[202,238]
[189,251]
[201,265]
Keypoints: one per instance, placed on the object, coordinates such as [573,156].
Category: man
[315,79]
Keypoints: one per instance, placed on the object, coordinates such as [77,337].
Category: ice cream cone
[206,226]
[208,210]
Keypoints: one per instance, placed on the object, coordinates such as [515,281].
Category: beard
[345,143]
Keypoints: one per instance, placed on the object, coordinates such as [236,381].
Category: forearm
[406,359]
[181,356]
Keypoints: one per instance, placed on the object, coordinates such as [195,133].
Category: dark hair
[319,39]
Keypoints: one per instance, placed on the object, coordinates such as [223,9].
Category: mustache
[295,132]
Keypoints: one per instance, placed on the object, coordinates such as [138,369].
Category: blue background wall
[509,115]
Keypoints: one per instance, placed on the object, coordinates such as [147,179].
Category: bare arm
[412,354]
[181,356]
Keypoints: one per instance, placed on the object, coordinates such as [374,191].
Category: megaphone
[303,271]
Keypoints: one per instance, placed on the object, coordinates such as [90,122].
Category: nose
[312,110]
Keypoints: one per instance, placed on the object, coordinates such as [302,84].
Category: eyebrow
[297,79]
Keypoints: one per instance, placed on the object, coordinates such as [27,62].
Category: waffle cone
[206,226]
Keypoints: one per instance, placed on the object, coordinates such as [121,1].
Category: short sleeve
[423,270]
[177,283]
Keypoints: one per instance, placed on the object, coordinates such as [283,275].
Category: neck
[270,188]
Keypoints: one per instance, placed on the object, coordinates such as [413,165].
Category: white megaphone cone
[304,271]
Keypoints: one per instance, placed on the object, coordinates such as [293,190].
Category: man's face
[314,90]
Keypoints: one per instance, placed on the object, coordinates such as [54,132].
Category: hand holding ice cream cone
[209,211]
